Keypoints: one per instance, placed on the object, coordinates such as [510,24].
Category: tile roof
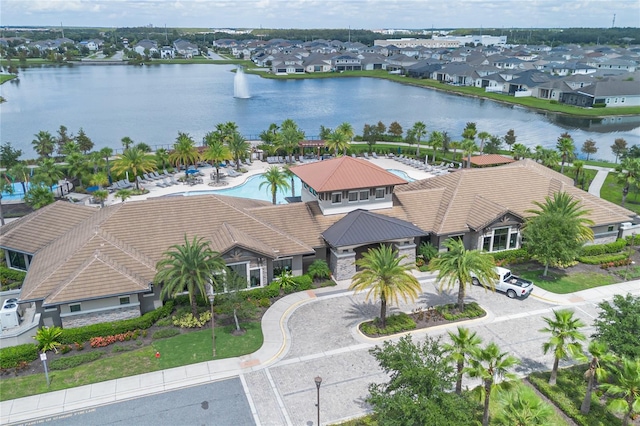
[33,232]
[490,159]
[344,173]
[364,227]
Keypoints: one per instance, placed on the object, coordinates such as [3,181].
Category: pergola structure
[317,144]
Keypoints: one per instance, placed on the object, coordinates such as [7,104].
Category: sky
[356,14]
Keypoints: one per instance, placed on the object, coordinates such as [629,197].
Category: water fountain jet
[240,85]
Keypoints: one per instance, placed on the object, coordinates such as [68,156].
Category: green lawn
[175,351]
[7,77]
[563,283]
[569,393]
[612,191]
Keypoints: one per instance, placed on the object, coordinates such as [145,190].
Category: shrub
[100,342]
[511,256]
[427,251]
[264,302]
[163,334]
[302,282]
[73,361]
[602,259]
[395,324]
[65,349]
[450,313]
[84,334]
[12,356]
[79,346]
[598,249]
[319,270]
[189,321]
[120,348]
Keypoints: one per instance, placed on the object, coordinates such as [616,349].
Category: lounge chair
[366,155]
[173,180]
[353,156]
[161,183]
[374,155]
[140,180]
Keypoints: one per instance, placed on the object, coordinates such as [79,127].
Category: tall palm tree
[289,137]
[216,152]
[387,278]
[107,152]
[269,136]
[625,389]
[468,147]
[191,267]
[462,345]
[569,208]
[184,151]
[19,172]
[435,140]
[483,136]
[275,180]
[628,174]
[566,148]
[292,178]
[238,147]
[43,144]
[459,266]
[598,370]
[347,130]
[470,131]
[565,338]
[127,142]
[134,161]
[48,173]
[337,142]
[99,179]
[96,161]
[418,130]
[162,157]
[101,195]
[77,166]
[490,365]
[520,151]
[578,168]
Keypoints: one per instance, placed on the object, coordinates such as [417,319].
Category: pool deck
[255,168]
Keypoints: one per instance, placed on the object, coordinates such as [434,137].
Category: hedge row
[12,356]
[603,258]
[395,324]
[598,249]
[84,334]
[11,274]
[511,256]
[302,282]
[74,360]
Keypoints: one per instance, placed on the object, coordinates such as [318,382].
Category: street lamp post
[318,381]
[211,297]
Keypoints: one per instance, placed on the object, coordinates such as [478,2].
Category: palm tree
[217,152]
[162,157]
[123,194]
[564,340]
[625,389]
[463,344]
[469,147]
[19,172]
[99,179]
[127,142]
[597,370]
[101,195]
[43,144]
[291,176]
[135,161]
[490,365]
[628,174]
[520,151]
[578,167]
[190,266]
[566,148]
[337,142]
[483,136]
[269,136]
[238,147]
[418,130]
[275,180]
[436,139]
[107,153]
[548,157]
[184,151]
[77,166]
[460,266]
[470,131]
[48,173]
[289,137]
[522,408]
[38,196]
[48,338]
[569,209]
[347,130]
[387,277]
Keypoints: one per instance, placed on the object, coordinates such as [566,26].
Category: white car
[510,284]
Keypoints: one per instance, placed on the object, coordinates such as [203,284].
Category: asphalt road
[222,403]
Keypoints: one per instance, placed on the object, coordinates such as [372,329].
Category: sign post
[43,357]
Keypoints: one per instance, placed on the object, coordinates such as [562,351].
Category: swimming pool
[18,192]
[251,189]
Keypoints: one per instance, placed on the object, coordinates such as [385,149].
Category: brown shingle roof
[344,173]
[490,160]
[33,232]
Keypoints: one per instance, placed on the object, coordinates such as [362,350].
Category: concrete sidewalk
[277,341]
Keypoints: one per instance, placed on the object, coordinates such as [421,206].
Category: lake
[152,104]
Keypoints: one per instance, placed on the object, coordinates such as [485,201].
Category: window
[610,228]
[255,278]
[282,265]
[486,243]
[364,195]
[16,260]
[74,308]
[353,196]
[124,300]
[240,269]
[500,239]
[513,240]
[336,198]
[379,193]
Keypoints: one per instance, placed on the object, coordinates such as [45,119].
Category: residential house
[146,46]
[612,93]
[185,48]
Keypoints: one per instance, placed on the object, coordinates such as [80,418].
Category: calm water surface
[152,104]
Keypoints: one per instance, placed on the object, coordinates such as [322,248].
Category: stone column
[408,249]
[343,265]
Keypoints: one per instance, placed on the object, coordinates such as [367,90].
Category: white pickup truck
[510,284]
